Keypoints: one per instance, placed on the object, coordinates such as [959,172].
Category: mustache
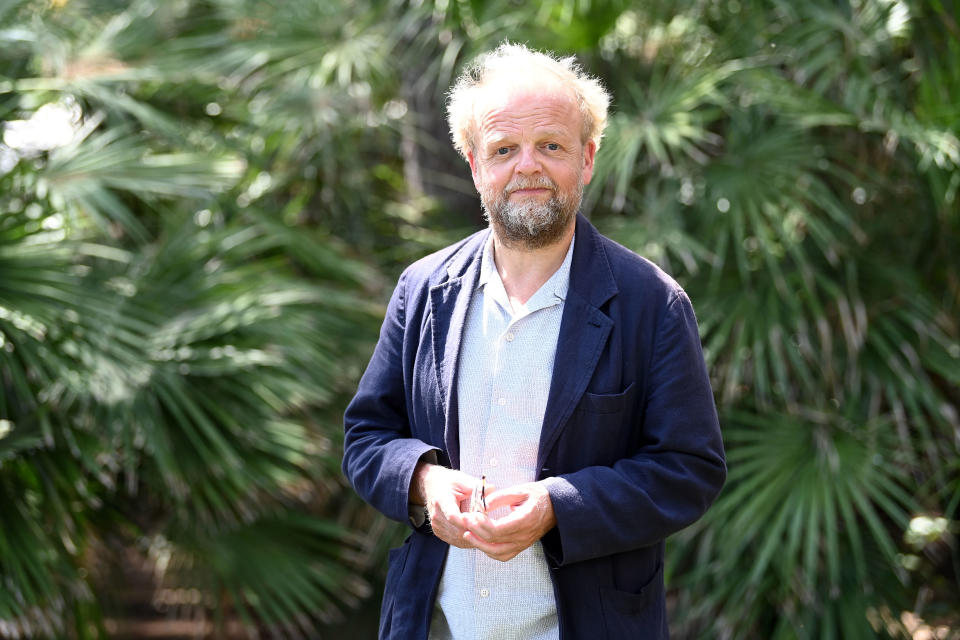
[539,182]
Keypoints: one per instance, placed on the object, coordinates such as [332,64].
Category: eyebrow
[496,138]
[552,133]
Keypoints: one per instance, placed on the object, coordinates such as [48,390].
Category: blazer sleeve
[380,454]
[671,480]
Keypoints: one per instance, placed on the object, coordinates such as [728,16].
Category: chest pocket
[601,403]
[603,428]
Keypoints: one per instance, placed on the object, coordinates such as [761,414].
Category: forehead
[506,108]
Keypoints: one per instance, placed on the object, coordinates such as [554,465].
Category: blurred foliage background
[203,207]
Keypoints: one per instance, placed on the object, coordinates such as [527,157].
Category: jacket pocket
[630,616]
[396,561]
[606,402]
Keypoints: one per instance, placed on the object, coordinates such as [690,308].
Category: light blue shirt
[505,370]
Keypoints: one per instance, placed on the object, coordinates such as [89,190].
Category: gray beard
[531,224]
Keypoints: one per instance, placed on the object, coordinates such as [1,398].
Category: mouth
[530,191]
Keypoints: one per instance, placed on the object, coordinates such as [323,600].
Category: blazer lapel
[449,302]
[584,330]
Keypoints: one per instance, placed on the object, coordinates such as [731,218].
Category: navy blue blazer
[630,435]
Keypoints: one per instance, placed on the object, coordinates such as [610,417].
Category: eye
[502,151]
[553,146]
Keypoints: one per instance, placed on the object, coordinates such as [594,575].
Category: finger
[466,483]
[468,519]
[447,505]
[449,532]
[456,541]
[507,498]
[512,521]
[463,490]
[471,519]
[497,551]
[458,520]
[527,521]
[500,530]
[446,513]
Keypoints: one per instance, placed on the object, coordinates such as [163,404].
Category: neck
[523,270]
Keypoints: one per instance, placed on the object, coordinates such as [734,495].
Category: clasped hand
[447,492]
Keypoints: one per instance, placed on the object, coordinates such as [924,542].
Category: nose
[527,161]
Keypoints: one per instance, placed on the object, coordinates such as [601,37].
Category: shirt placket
[502,442]
[489,462]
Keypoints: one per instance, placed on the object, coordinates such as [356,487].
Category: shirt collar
[552,292]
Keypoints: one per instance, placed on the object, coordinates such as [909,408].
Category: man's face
[529,163]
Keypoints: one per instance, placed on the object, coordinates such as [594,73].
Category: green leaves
[185,373]
[173,350]
[809,502]
[87,179]
[284,569]
[784,174]
[196,244]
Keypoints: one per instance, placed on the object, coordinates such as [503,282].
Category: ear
[589,152]
[474,168]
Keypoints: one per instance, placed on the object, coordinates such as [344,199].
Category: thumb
[506,498]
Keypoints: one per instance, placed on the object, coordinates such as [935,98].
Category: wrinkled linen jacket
[630,446]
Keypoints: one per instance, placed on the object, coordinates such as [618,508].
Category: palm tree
[178,325]
[796,168]
[204,203]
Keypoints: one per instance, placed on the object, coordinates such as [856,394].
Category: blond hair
[516,59]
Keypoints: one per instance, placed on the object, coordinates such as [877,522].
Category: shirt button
[502,401]
[484,593]
[509,337]
[494,462]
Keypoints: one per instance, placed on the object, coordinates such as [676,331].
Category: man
[538,389]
